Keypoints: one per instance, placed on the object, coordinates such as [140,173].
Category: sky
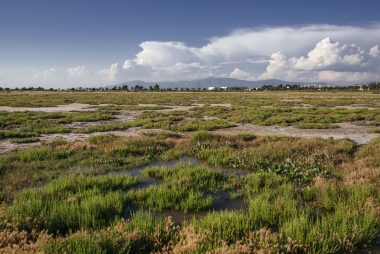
[89,43]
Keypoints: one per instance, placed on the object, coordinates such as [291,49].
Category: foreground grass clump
[351,219]
[143,233]
[70,204]
[344,218]
[184,187]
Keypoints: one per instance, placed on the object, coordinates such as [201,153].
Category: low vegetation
[183,188]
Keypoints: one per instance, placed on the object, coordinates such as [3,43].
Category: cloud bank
[340,54]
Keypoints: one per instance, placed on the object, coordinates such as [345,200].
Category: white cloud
[375,51]
[110,74]
[304,53]
[330,54]
[77,71]
[239,74]
[163,54]
[350,77]
[69,77]
[327,61]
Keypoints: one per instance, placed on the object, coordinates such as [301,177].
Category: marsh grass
[5,134]
[33,124]
[102,138]
[284,116]
[369,153]
[298,198]
[250,99]
[351,221]
[70,204]
[114,126]
[184,187]
[377,130]
[100,154]
[279,155]
[143,233]
[317,126]
[44,153]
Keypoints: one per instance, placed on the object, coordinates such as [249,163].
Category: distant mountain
[216,82]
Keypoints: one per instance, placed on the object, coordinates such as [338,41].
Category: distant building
[223,88]
[211,88]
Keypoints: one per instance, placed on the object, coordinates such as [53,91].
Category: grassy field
[181,187]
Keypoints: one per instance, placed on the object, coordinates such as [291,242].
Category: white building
[211,88]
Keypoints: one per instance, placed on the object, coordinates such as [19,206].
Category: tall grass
[70,204]
[184,187]
[143,233]
[349,222]
[44,153]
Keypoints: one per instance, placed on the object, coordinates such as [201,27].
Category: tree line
[372,86]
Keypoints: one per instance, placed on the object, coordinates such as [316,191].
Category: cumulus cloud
[61,77]
[77,71]
[301,53]
[112,73]
[327,61]
[239,74]
[375,51]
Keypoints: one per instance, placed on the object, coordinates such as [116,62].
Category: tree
[156,87]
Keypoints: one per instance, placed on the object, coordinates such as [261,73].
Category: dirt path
[359,134]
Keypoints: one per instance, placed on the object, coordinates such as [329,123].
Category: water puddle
[372,248]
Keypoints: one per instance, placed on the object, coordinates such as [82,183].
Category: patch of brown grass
[358,172]
[13,240]
[261,241]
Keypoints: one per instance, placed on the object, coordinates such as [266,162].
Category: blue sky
[93,42]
